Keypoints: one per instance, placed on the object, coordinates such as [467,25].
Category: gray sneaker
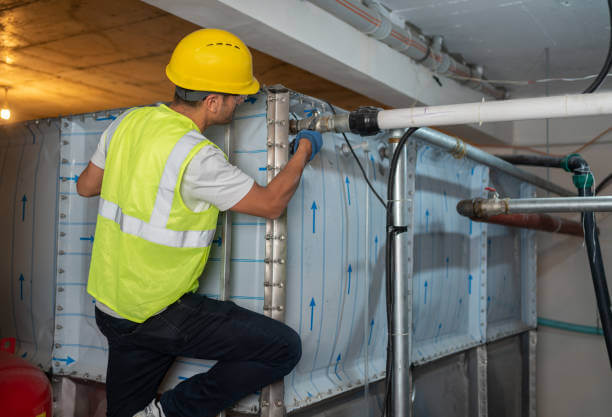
[154,409]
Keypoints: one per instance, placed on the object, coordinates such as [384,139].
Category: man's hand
[309,138]
[271,201]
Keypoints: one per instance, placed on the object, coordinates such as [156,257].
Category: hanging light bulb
[5,113]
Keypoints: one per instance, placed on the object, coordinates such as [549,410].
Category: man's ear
[213,103]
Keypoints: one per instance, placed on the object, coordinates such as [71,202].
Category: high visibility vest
[149,248]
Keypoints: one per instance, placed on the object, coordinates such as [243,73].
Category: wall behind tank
[29,165]
[573,374]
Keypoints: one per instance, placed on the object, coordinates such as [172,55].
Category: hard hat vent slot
[223,44]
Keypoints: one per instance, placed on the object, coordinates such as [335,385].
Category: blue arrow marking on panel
[472,171]
[182,378]
[68,360]
[250,99]
[445,202]
[308,112]
[90,238]
[312,306]
[371,328]
[336,367]
[75,178]
[470,226]
[376,245]
[373,166]
[309,394]
[426,220]
[23,200]
[439,329]
[218,241]
[109,117]
[350,270]
[470,284]
[425,300]
[314,212]
[447,260]
[348,191]
[21,287]
[263,168]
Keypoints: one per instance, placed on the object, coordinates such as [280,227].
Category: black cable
[392,232]
[603,184]
[359,163]
[597,271]
[607,64]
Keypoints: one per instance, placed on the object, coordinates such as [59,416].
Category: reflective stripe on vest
[155,230]
[165,192]
[152,233]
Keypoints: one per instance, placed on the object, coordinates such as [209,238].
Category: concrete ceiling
[509,37]
[62,57]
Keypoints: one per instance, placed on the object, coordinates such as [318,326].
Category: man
[161,185]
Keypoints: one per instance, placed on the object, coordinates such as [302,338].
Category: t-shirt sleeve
[99,156]
[211,179]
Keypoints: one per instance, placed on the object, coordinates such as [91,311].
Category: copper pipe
[537,221]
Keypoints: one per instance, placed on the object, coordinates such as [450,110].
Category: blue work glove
[315,138]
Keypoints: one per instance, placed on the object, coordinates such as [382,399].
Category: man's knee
[293,349]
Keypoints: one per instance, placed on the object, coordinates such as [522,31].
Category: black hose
[533,160]
[597,271]
[603,73]
[392,232]
[583,179]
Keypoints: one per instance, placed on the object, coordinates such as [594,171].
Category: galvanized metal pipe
[481,208]
[402,285]
[457,147]
[415,45]
[460,149]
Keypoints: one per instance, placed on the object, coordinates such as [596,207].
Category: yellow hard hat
[212,60]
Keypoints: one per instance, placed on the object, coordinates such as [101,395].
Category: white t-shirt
[208,179]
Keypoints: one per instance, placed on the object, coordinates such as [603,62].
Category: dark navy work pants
[252,351]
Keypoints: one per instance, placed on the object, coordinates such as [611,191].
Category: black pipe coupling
[364,121]
[583,177]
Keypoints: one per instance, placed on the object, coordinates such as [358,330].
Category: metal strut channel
[224,277]
[226,238]
[226,233]
[275,275]
[529,341]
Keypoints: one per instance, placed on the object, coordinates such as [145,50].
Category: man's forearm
[283,186]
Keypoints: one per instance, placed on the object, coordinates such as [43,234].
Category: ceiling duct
[423,50]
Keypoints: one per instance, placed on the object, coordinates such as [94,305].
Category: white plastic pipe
[498,111]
